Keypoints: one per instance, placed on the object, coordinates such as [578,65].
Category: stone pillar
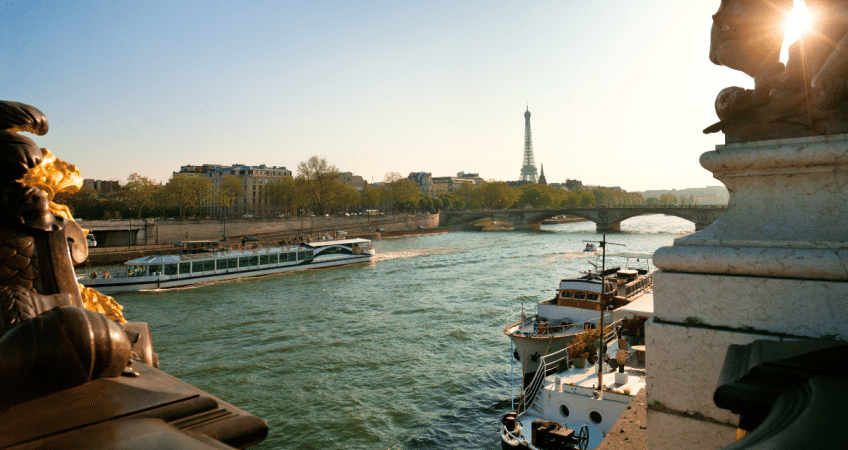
[607,227]
[774,266]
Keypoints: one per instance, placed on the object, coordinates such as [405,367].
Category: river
[404,352]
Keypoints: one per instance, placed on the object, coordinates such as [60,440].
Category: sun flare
[798,22]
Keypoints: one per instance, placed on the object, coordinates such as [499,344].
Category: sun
[798,22]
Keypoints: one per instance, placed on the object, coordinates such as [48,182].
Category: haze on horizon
[619,92]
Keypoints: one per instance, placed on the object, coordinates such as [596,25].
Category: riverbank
[102,256]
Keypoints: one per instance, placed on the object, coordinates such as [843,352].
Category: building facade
[449,185]
[252,178]
[423,180]
[355,181]
[101,186]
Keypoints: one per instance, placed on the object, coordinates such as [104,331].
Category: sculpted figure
[49,341]
[808,96]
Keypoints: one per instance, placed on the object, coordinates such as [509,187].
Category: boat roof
[642,306]
[347,241]
[581,285]
[172,259]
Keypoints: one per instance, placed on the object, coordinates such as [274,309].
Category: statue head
[747,34]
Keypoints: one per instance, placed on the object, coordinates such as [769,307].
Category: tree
[84,203]
[322,181]
[465,193]
[540,196]
[497,195]
[347,197]
[402,192]
[281,193]
[450,201]
[372,197]
[187,192]
[230,190]
[138,193]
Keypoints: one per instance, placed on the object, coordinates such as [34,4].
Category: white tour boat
[566,410]
[204,261]
[575,308]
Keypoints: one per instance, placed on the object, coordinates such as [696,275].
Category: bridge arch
[607,219]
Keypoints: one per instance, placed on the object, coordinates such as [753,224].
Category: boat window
[595,417]
[170,269]
[232,263]
[580,295]
[566,294]
[272,259]
[263,259]
[197,266]
[209,265]
[301,256]
[292,256]
[563,410]
[135,271]
[309,255]
[220,264]
[254,260]
[155,269]
[185,267]
[243,261]
[593,297]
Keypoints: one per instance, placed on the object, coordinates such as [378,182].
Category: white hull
[131,284]
[530,345]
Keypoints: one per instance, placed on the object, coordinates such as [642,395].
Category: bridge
[607,219]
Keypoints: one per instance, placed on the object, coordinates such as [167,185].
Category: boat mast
[603,302]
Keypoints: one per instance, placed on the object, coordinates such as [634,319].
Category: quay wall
[126,233]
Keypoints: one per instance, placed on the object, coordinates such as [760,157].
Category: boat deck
[588,378]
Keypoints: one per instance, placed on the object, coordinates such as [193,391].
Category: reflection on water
[406,352]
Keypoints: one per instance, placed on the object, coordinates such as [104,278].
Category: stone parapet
[774,266]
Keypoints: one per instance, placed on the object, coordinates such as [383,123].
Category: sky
[619,91]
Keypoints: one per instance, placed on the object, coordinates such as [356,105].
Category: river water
[404,352]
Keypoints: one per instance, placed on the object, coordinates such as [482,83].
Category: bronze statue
[48,340]
[67,378]
[806,97]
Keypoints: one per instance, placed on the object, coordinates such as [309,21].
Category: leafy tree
[187,192]
[402,193]
[539,196]
[497,195]
[372,197]
[465,193]
[282,194]
[322,182]
[451,201]
[229,191]
[139,193]
[667,199]
[425,203]
[85,203]
[585,199]
[347,197]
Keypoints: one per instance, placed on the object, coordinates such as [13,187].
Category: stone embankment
[119,241]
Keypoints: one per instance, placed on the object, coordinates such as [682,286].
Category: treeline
[317,190]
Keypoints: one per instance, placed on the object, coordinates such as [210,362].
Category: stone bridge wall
[606,219]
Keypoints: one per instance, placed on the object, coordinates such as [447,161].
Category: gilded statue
[49,339]
[807,96]
[67,378]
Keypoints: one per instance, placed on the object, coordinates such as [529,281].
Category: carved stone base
[774,266]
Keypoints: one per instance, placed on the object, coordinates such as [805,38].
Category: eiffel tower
[528,171]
